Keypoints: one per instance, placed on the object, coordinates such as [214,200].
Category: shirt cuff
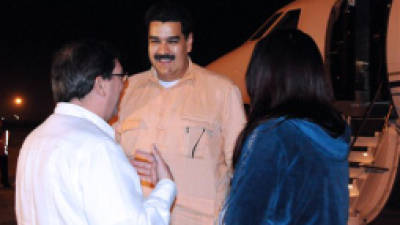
[165,190]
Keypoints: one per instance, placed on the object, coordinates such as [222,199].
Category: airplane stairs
[373,162]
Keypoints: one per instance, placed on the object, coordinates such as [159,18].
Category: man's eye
[154,41]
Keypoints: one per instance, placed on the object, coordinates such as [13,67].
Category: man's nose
[163,49]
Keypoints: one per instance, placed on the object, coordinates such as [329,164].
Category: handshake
[151,167]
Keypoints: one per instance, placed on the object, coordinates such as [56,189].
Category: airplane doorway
[355,50]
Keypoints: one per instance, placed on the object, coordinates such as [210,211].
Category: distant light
[365,154]
[18,100]
[350,186]
[16,117]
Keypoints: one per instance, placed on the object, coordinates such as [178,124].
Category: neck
[91,105]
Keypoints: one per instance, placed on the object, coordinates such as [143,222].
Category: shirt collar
[187,76]
[71,109]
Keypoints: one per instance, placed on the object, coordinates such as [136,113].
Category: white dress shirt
[71,171]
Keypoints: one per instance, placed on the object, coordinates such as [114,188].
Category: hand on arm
[108,179]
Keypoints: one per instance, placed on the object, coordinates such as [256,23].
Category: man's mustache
[161,57]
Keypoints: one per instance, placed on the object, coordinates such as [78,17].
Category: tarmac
[389,216]
[7,215]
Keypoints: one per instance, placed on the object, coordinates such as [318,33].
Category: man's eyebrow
[168,38]
[173,37]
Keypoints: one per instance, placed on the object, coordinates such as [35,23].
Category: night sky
[32,31]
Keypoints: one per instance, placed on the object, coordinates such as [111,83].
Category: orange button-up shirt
[194,124]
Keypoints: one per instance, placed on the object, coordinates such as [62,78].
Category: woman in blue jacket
[290,161]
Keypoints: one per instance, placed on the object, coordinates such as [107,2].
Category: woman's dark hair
[286,78]
[76,66]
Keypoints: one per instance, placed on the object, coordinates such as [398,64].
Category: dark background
[31,31]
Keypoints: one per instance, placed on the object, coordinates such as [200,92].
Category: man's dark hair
[167,11]
[76,66]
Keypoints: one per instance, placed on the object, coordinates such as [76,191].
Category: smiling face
[168,49]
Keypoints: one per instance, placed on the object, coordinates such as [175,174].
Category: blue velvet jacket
[290,171]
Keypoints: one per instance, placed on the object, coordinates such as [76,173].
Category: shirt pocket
[197,134]
[131,130]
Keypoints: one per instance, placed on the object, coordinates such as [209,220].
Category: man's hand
[151,167]
[163,170]
[145,166]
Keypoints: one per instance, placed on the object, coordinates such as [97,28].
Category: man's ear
[189,43]
[99,86]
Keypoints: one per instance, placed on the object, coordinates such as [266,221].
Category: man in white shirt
[70,169]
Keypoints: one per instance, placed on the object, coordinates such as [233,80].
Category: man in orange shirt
[193,115]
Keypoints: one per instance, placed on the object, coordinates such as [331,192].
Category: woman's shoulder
[296,125]
[277,125]
[287,130]
[274,131]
